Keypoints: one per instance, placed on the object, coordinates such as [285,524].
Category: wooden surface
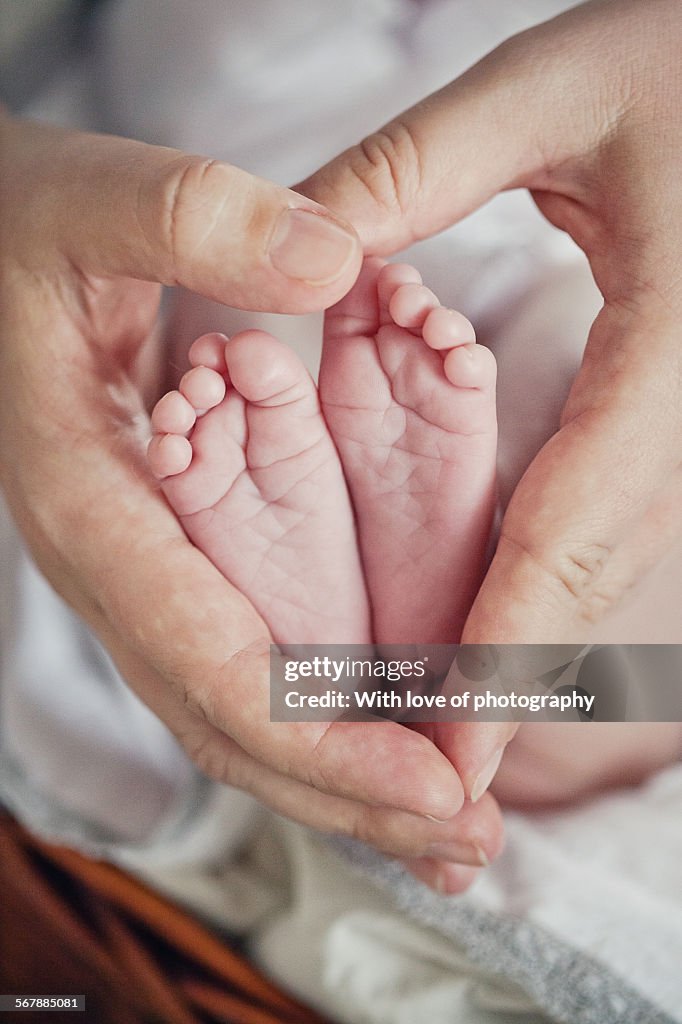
[71,926]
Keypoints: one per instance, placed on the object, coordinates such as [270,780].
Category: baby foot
[248,465]
[410,401]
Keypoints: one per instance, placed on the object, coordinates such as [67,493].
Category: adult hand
[584,111]
[88,227]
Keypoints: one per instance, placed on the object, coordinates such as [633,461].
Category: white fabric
[582,915]
[81,757]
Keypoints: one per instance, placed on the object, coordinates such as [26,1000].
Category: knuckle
[599,601]
[207,697]
[364,827]
[317,773]
[387,163]
[211,756]
[194,701]
[201,700]
[389,831]
[578,569]
[181,210]
[577,575]
[583,575]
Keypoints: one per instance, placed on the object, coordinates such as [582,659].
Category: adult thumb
[514,119]
[115,207]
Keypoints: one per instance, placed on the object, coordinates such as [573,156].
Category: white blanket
[579,921]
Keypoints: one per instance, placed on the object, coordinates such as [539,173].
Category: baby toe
[168,455]
[391,277]
[173,414]
[470,366]
[411,305]
[209,350]
[446,328]
[265,370]
[203,388]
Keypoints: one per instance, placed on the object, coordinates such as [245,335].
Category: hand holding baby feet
[246,462]
[249,466]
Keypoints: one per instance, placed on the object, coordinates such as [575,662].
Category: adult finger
[490,129]
[600,503]
[473,837]
[118,207]
[598,507]
[526,115]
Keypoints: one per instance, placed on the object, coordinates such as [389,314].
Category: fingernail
[310,247]
[486,775]
[459,853]
[439,821]
[483,858]
[451,880]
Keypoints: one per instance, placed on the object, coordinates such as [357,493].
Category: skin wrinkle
[206,171]
[667,266]
[317,772]
[270,555]
[408,183]
[211,754]
[435,459]
[275,597]
[390,411]
[525,550]
[319,443]
[587,574]
[78,292]
[353,325]
[140,208]
[272,401]
[597,604]
[210,700]
[280,502]
[377,169]
[175,201]
[577,587]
